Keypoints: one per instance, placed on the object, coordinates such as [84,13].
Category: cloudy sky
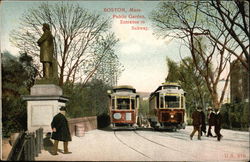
[141,53]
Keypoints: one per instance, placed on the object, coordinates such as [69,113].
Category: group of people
[199,123]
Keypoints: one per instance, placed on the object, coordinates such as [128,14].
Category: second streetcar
[167,107]
[123,107]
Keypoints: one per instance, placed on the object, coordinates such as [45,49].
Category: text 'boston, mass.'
[121,10]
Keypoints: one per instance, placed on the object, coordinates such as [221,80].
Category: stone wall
[89,123]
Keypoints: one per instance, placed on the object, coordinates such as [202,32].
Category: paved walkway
[96,145]
[148,145]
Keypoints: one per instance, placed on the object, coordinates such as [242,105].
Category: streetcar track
[162,144]
[189,137]
[172,136]
[240,139]
[130,146]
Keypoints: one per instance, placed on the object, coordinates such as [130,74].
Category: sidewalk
[88,147]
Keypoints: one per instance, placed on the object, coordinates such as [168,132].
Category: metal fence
[27,146]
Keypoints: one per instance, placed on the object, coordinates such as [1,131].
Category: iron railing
[27,146]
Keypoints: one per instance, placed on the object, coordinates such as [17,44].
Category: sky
[141,53]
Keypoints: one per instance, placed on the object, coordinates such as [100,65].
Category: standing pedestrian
[203,123]
[60,131]
[211,121]
[197,122]
[218,120]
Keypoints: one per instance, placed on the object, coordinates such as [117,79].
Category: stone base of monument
[43,104]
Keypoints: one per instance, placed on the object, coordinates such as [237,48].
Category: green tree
[173,71]
[235,115]
[185,73]
[90,100]
[17,77]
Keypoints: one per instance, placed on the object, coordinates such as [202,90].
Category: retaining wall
[89,123]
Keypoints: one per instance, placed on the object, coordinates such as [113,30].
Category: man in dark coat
[203,122]
[197,122]
[60,131]
[218,120]
[211,121]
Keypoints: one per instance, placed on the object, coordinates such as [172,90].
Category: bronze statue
[46,45]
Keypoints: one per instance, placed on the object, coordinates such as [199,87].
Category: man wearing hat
[60,131]
[197,122]
[217,124]
[211,121]
[203,122]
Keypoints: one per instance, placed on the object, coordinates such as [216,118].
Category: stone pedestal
[43,104]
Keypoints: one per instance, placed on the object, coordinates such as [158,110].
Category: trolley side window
[133,103]
[182,102]
[113,103]
[161,102]
[123,103]
[157,100]
[172,101]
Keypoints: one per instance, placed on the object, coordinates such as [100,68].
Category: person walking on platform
[218,121]
[211,121]
[197,122]
[60,131]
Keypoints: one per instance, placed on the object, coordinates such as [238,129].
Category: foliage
[82,39]
[17,76]
[235,116]
[173,71]
[144,108]
[14,117]
[193,84]
[89,100]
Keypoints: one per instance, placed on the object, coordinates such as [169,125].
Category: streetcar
[167,107]
[123,107]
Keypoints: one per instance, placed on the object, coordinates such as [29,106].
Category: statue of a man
[46,51]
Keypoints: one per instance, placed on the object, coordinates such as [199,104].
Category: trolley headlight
[117,116]
[172,116]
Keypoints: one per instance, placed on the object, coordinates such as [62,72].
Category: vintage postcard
[126,80]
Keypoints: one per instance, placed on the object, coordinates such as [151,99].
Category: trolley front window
[123,103]
[172,101]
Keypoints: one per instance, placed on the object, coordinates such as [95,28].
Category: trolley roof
[169,87]
[124,94]
[171,84]
[124,91]
[125,88]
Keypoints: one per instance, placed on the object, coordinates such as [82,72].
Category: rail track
[130,146]
[167,147]
[184,136]
[147,139]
